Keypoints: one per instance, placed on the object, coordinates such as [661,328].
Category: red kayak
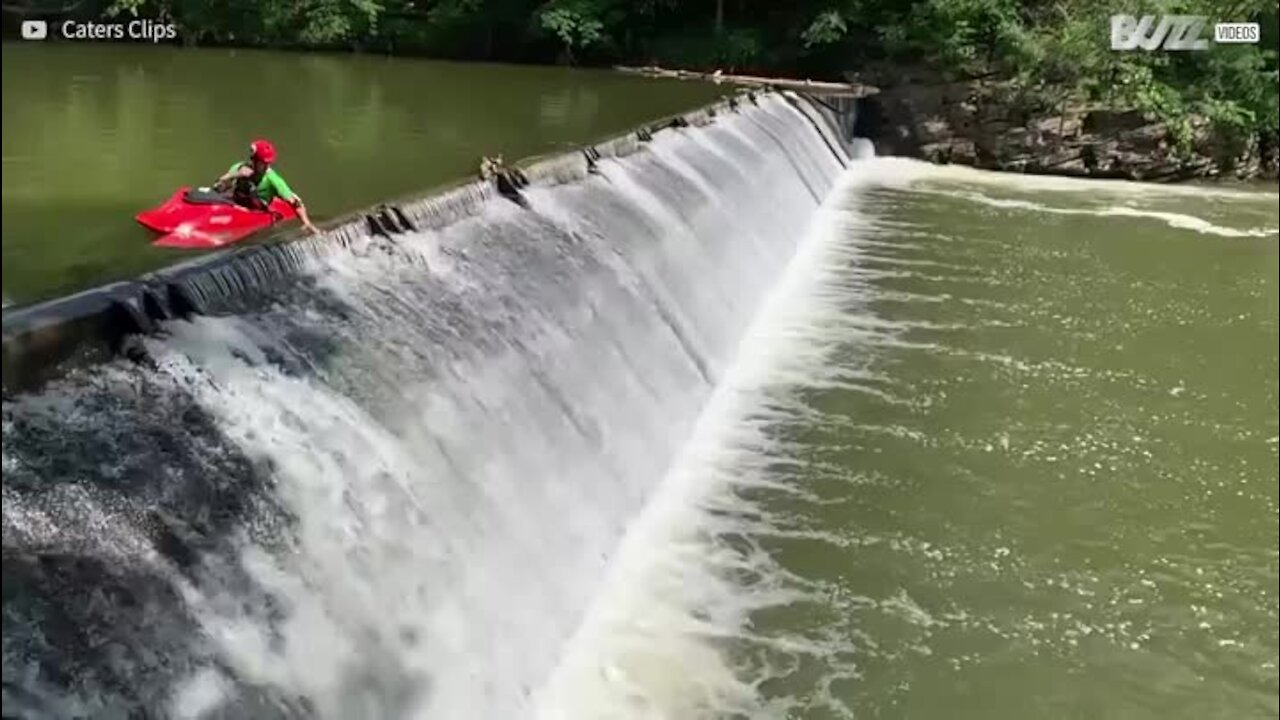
[202,218]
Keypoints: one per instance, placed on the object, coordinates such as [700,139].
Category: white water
[649,648]
[1180,221]
[446,550]
[461,450]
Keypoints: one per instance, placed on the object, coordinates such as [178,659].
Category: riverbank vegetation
[1054,51]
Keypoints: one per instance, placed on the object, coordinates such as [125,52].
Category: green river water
[1045,483]
[95,133]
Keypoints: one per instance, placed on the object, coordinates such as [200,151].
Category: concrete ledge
[43,341]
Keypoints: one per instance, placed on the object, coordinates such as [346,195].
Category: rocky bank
[990,125]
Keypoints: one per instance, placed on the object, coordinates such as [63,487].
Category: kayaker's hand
[313,229]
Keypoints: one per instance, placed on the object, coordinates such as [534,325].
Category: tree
[577,23]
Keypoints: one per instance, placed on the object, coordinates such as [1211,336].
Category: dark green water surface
[94,133]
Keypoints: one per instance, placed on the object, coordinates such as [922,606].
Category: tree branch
[30,8]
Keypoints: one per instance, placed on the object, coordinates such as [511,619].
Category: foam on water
[672,633]
[1181,221]
[911,170]
[653,643]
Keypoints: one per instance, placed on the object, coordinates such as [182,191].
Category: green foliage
[737,48]
[125,7]
[453,12]
[731,50]
[1053,51]
[827,28]
[321,22]
[577,23]
[968,35]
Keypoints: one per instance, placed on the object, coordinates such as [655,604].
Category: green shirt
[271,185]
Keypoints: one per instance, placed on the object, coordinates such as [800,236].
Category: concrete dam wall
[383,472]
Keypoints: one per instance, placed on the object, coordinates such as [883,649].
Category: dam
[376,475]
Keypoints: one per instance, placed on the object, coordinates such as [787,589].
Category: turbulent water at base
[996,447]
[728,430]
[395,491]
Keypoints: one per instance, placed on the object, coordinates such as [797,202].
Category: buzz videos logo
[34,29]
[1177,32]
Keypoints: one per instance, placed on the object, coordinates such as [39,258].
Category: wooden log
[808,86]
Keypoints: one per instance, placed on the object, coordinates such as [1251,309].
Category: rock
[935,129]
[998,125]
[1064,157]
[962,152]
[1269,155]
[1112,121]
[1068,126]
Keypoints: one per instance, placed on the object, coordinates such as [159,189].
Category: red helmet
[263,150]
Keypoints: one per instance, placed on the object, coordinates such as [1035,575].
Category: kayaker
[254,183]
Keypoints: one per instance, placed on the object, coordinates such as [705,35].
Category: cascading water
[395,490]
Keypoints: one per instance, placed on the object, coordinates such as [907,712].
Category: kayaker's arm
[302,215]
[282,190]
[233,173]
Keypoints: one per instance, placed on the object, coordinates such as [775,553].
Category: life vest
[245,191]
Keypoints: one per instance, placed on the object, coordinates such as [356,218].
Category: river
[95,133]
[737,427]
[999,447]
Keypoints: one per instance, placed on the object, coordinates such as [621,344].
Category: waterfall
[393,489]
